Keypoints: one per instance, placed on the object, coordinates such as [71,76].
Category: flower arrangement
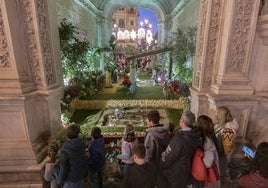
[181,103]
[126,82]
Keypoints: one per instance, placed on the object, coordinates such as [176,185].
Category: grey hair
[188,118]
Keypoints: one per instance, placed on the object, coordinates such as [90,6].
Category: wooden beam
[150,53]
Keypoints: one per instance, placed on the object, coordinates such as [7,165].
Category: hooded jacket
[73,160]
[155,142]
[177,159]
[96,151]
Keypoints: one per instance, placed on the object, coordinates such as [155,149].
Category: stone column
[100,31]
[30,88]
[225,39]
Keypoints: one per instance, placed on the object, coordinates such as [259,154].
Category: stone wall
[80,16]
[188,16]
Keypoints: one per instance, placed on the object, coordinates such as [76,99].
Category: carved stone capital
[4,54]
[263,28]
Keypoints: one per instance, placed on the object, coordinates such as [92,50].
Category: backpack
[200,173]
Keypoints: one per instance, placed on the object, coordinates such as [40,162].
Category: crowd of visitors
[165,158]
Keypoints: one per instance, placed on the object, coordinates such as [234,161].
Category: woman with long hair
[258,176]
[225,128]
[206,128]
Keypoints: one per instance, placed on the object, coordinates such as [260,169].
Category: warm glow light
[144,32]
[149,37]
[126,35]
[120,35]
[141,33]
[133,35]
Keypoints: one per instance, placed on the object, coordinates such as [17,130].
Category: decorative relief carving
[240,35]
[30,40]
[212,40]
[44,31]
[200,42]
[4,54]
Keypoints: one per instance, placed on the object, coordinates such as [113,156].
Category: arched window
[121,23]
[131,10]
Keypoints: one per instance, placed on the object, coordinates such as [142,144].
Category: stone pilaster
[30,88]
[225,39]
[205,59]
[161,34]
[100,30]
[234,53]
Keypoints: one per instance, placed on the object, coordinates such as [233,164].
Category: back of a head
[139,150]
[129,133]
[224,115]
[153,116]
[205,126]
[188,118]
[96,132]
[73,131]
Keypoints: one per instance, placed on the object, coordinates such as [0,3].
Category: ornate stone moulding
[263,28]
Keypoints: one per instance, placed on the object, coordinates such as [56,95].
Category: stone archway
[229,58]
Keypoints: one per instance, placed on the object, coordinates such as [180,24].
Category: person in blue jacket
[73,159]
[96,160]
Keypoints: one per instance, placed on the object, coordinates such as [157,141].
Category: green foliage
[109,63]
[174,115]
[89,122]
[184,50]
[73,52]
[148,92]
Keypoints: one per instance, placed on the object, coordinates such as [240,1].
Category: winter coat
[48,175]
[73,160]
[226,137]
[211,156]
[96,151]
[240,168]
[252,180]
[141,176]
[127,153]
[177,159]
[155,142]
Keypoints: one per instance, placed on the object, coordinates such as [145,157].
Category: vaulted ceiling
[167,5]
[162,8]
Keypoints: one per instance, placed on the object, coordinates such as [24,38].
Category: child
[96,159]
[52,153]
[141,174]
[128,142]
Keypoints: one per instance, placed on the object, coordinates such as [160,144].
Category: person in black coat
[142,174]
[177,159]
